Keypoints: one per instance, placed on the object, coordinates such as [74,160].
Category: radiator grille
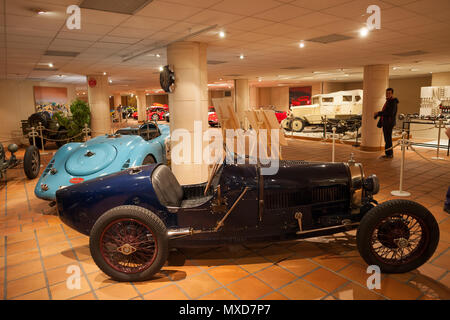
[283,199]
[329,193]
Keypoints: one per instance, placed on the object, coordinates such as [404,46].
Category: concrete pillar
[242,101]
[189,103]
[376,81]
[141,105]
[98,97]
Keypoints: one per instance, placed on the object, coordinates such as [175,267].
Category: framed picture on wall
[300,96]
[51,99]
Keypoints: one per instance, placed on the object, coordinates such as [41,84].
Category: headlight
[372,184]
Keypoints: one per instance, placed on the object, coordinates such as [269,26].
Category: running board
[344,225]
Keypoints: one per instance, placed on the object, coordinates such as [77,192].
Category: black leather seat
[167,188]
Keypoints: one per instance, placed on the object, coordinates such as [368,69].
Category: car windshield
[128,132]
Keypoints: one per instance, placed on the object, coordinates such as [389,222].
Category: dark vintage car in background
[132,217]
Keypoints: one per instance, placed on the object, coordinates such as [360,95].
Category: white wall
[17,103]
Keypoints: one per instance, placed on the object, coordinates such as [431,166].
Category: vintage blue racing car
[134,216]
[103,155]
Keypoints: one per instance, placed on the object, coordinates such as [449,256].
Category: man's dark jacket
[389,113]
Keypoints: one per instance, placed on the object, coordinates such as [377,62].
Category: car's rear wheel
[398,236]
[286,124]
[298,125]
[32,162]
[155,117]
[129,243]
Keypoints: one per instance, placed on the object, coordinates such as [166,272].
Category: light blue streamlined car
[77,162]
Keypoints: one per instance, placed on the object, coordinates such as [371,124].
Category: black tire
[374,221]
[35,118]
[286,124]
[149,159]
[32,162]
[298,125]
[142,218]
[155,117]
[62,134]
[38,142]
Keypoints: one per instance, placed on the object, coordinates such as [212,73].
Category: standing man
[387,121]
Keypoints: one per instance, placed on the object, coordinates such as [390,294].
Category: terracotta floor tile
[275,253]
[82,252]
[325,279]
[253,263]
[396,290]
[221,294]
[275,276]
[198,285]
[301,290]
[307,249]
[61,291]
[89,265]
[25,285]
[227,274]
[442,261]
[44,232]
[353,291]
[167,293]
[158,280]
[275,296]
[55,248]
[20,236]
[357,272]
[181,272]
[118,291]
[59,274]
[60,259]
[331,261]
[431,288]
[86,296]
[24,269]
[34,226]
[241,288]
[99,280]
[51,239]
[445,280]
[20,257]
[298,265]
[41,294]
[21,247]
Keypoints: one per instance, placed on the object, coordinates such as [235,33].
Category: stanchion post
[42,136]
[400,193]
[334,146]
[85,132]
[438,141]
[33,134]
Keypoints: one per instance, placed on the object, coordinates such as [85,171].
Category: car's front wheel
[129,243]
[298,125]
[398,236]
[32,162]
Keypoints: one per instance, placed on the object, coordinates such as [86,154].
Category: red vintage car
[301,101]
[281,115]
[212,117]
[156,113]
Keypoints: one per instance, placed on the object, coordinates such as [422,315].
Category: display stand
[404,143]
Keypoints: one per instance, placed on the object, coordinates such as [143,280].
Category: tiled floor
[36,249]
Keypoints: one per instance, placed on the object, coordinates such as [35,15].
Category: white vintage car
[341,105]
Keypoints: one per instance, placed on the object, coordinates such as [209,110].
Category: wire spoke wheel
[399,239]
[398,236]
[128,246]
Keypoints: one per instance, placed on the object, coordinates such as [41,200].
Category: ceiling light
[394,68]
[413,70]
[222,34]
[40,11]
[50,65]
[104,73]
[220,79]
[302,44]
[158,55]
[161,69]
[259,79]
[364,32]
[241,57]
[110,81]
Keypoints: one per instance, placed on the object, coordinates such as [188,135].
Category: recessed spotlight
[50,65]
[259,79]
[40,11]
[161,69]
[222,34]
[241,57]
[110,81]
[413,70]
[364,32]
[220,79]
[302,44]
[158,55]
[104,73]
